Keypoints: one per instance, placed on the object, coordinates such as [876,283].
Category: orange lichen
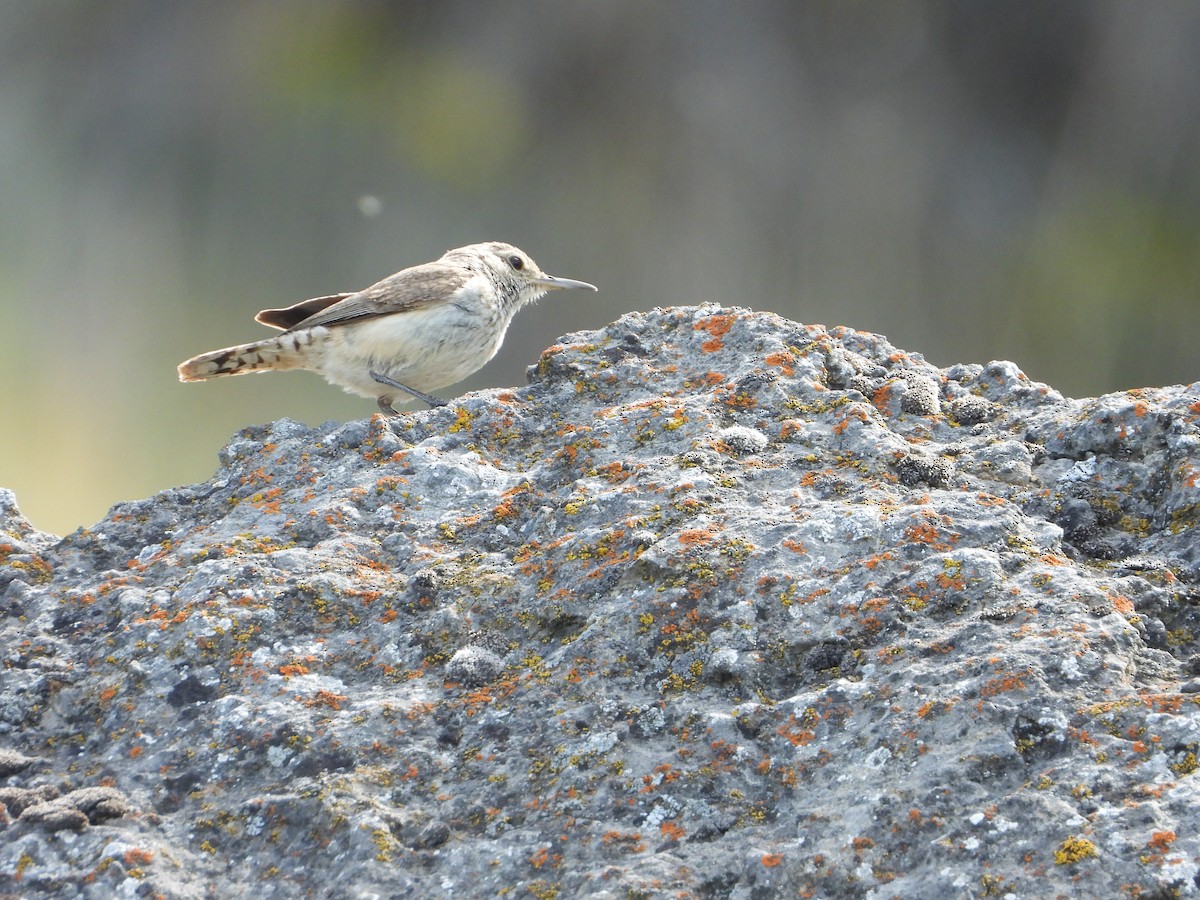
[1121,603]
[923,533]
[1002,684]
[841,426]
[783,360]
[717,326]
[794,732]
[135,856]
[672,831]
[873,561]
[627,842]
[1161,841]
[326,698]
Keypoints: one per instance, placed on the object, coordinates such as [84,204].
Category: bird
[421,329]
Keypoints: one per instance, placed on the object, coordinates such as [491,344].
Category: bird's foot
[386,407]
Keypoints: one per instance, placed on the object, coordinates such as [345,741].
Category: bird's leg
[433,402]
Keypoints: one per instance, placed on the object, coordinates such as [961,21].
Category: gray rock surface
[720,605]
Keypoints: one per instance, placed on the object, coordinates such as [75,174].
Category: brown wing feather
[409,289]
[291,316]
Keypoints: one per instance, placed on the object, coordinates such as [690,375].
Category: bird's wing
[290,316]
[411,289]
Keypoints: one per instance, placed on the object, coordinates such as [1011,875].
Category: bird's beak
[550,282]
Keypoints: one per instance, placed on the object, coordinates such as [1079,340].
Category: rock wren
[418,330]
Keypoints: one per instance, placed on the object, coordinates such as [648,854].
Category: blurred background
[976,180]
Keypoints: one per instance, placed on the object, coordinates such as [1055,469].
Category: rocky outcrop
[720,605]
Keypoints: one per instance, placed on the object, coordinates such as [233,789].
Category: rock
[719,605]
[474,666]
[16,799]
[97,803]
[74,810]
[743,441]
[12,762]
[54,817]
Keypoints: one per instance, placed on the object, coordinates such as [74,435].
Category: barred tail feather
[270,355]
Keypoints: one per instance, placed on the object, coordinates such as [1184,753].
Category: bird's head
[515,274]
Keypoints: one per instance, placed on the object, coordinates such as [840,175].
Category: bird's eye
[516,262]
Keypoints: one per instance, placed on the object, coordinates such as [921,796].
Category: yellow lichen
[462,423]
[1073,850]
[1187,765]
[385,843]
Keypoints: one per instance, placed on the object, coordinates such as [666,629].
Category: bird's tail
[276,354]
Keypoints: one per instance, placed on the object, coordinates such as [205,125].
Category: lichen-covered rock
[12,762]
[720,605]
[97,803]
[52,816]
[45,808]
[17,799]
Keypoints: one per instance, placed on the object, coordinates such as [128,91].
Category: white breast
[426,348]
